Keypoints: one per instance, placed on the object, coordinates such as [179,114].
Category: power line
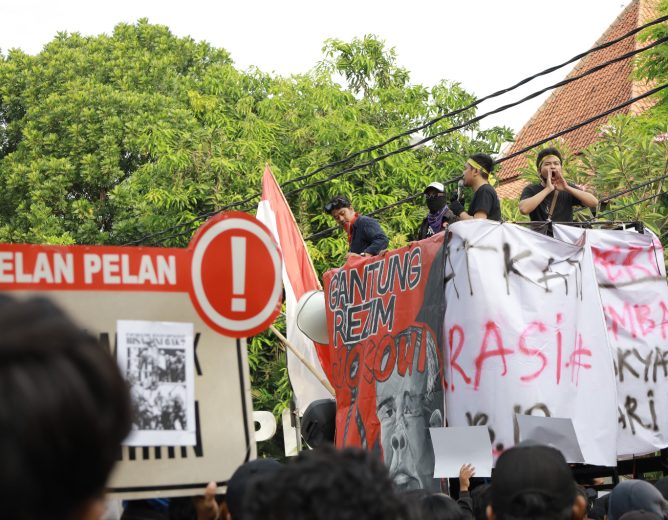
[413,130]
[438,134]
[523,150]
[487,114]
[634,203]
[476,102]
[629,190]
[585,122]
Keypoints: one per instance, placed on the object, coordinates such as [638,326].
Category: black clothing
[436,204]
[367,236]
[485,199]
[563,209]
[425,229]
[466,504]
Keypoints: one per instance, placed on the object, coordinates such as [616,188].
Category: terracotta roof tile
[582,99]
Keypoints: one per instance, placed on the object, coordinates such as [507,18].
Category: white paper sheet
[557,432]
[157,361]
[459,445]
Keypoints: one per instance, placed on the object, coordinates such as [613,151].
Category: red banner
[217,270]
[385,319]
[85,268]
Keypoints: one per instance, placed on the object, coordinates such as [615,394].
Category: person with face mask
[553,199]
[439,215]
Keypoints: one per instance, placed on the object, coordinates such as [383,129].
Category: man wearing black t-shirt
[553,199]
[485,202]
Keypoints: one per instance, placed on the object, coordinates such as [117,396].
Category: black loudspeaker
[319,423]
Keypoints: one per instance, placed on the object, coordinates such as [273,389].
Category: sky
[486,45]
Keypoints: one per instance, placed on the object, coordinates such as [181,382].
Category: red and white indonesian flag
[299,277]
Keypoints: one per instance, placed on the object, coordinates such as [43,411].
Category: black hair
[544,153]
[64,410]
[486,162]
[440,507]
[411,499]
[481,497]
[535,506]
[337,203]
[326,484]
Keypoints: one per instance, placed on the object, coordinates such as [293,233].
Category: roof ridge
[580,100]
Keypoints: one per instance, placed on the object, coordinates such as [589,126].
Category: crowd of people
[65,409]
[552,199]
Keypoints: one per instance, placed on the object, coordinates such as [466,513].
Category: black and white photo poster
[157,360]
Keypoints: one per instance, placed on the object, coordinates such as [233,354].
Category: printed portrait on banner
[385,318]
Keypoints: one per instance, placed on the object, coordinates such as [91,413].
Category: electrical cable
[430,123]
[634,203]
[467,107]
[607,199]
[477,102]
[429,138]
[491,112]
[523,150]
[585,122]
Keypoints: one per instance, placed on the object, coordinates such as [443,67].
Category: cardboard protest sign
[630,274]
[385,317]
[526,334]
[168,304]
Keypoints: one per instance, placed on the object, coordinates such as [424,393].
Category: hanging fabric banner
[525,334]
[631,279]
[385,318]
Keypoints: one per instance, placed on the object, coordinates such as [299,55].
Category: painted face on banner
[406,407]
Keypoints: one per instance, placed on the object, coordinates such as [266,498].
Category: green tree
[633,150]
[107,139]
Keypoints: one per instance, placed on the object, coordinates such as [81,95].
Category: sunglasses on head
[336,203]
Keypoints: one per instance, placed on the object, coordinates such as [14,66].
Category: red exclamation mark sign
[238,274]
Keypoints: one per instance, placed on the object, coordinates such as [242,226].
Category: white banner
[526,334]
[630,273]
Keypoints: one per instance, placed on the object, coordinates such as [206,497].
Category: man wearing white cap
[439,215]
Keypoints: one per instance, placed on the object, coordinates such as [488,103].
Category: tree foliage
[631,151]
[107,139]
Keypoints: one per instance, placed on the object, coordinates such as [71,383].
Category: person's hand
[456,207]
[206,506]
[353,255]
[465,474]
[548,181]
[559,182]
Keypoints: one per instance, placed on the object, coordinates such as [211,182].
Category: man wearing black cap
[365,236]
[534,481]
[439,214]
[553,199]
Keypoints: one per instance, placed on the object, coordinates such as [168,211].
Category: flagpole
[305,361]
